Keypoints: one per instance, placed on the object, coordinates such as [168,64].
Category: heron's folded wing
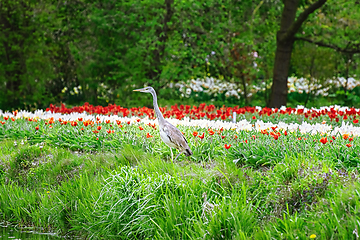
[175,136]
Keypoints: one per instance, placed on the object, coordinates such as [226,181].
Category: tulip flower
[323,140]
[227,146]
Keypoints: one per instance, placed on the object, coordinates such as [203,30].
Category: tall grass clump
[126,204]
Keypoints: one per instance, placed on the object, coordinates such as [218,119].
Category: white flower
[336,107]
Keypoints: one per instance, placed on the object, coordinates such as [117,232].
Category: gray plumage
[170,135]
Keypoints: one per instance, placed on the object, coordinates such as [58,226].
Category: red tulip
[227,146]
[323,140]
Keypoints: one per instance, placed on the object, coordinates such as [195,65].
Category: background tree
[285,38]
[334,27]
[25,65]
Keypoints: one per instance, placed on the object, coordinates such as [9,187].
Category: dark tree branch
[346,49]
[290,33]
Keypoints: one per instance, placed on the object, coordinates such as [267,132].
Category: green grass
[125,186]
[130,194]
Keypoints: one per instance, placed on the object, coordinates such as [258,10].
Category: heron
[170,135]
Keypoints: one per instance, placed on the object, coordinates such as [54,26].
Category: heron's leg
[178,155]
[172,155]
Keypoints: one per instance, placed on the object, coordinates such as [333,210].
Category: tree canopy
[98,51]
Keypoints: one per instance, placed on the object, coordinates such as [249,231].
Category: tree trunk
[284,43]
[279,88]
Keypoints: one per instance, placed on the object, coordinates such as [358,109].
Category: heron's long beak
[139,90]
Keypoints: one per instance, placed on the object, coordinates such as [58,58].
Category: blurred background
[213,51]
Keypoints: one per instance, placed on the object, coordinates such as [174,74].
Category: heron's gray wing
[175,136]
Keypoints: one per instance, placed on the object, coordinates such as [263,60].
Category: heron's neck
[159,115]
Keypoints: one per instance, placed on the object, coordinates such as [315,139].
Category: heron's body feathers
[174,138]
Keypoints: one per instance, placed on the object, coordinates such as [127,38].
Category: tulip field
[95,172]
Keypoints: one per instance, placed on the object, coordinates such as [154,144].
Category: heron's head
[145,89]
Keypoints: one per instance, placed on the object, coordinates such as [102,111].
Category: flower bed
[84,128]
[210,112]
[213,87]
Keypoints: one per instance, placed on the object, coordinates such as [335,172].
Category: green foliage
[106,52]
[25,64]
[99,51]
